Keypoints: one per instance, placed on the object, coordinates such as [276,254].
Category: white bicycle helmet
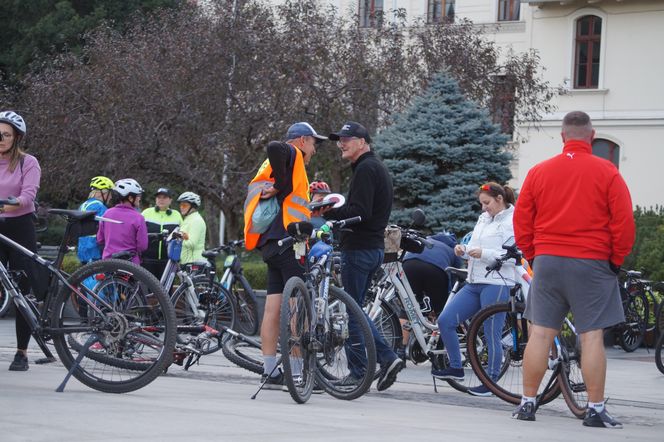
[191,198]
[128,186]
[15,120]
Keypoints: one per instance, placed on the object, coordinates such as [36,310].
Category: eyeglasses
[6,135]
[345,140]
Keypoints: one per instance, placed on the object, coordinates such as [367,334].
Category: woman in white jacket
[493,229]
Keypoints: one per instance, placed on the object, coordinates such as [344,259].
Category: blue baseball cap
[302,129]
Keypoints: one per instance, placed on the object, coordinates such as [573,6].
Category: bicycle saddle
[75,215]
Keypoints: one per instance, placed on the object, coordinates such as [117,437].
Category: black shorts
[280,267]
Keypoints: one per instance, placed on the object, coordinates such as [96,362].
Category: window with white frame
[440,10]
[587,44]
[371,13]
[508,10]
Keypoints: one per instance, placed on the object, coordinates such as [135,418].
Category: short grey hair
[577,126]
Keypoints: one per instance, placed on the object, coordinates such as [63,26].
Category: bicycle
[659,361]
[233,280]
[322,328]
[631,333]
[393,294]
[564,373]
[131,310]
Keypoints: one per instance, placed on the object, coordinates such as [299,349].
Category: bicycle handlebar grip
[11,201]
[349,221]
[286,241]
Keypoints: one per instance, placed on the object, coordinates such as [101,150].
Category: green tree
[32,30]
[439,150]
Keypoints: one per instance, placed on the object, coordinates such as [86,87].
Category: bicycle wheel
[215,301]
[346,338]
[243,351]
[504,377]
[296,340]
[135,327]
[658,353]
[570,378]
[388,325]
[247,308]
[633,331]
[5,303]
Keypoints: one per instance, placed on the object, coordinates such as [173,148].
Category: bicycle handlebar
[11,201]
[332,224]
[512,252]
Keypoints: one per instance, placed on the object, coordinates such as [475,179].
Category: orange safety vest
[295,205]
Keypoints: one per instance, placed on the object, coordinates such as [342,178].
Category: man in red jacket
[574,219]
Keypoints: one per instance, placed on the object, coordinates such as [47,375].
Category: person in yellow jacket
[282,176]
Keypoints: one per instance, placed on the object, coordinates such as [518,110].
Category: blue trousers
[358,266]
[468,301]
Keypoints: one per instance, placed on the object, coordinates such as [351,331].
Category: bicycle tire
[332,361]
[5,302]
[632,333]
[570,378]
[296,341]
[246,306]
[214,302]
[244,352]
[658,353]
[508,387]
[143,320]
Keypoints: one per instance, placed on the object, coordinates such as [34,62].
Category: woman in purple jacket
[132,234]
[19,177]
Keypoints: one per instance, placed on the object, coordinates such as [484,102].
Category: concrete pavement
[212,402]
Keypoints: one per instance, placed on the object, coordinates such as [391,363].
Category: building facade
[605,55]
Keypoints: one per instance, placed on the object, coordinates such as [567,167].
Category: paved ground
[212,402]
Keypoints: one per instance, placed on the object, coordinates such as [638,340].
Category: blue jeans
[358,266]
[468,301]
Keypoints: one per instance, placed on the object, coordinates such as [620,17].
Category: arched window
[587,52]
[607,149]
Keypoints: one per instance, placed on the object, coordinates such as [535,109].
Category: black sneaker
[20,362]
[449,373]
[348,381]
[480,390]
[389,374]
[525,412]
[601,419]
[272,382]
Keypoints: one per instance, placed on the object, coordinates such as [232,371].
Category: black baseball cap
[351,129]
[163,191]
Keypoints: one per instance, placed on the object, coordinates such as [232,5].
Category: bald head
[577,126]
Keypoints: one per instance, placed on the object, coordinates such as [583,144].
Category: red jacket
[575,205]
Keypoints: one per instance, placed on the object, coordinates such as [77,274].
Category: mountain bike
[233,280]
[127,310]
[322,329]
[5,302]
[393,295]
[659,361]
[564,368]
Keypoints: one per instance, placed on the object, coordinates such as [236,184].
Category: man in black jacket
[370,197]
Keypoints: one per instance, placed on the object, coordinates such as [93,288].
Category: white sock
[598,406]
[525,399]
[296,365]
[270,364]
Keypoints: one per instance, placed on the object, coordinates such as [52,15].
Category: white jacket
[489,235]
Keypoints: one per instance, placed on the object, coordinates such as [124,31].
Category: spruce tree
[439,151]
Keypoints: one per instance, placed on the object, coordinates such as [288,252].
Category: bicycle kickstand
[260,387]
[89,343]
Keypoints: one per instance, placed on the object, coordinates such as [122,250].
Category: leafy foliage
[439,151]
[189,98]
[648,251]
